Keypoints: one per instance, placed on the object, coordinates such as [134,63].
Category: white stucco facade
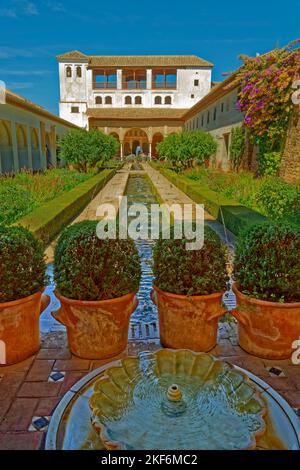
[79,91]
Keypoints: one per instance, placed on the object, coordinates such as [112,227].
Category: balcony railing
[105,85]
[134,85]
[164,85]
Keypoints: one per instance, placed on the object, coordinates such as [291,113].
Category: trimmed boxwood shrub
[22,264]
[88,268]
[190,272]
[267,262]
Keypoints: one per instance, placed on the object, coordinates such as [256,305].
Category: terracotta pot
[20,329]
[267,329]
[96,329]
[188,322]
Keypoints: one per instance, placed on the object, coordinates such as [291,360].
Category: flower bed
[24,192]
[270,196]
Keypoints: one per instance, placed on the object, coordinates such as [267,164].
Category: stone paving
[30,391]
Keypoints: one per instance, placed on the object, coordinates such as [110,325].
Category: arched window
[157,100]
[168,100]
[69,72]
[78,72]
[98,100]
[138,100]
[128,100]
[108,100]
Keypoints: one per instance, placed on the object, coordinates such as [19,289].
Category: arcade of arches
[146,138]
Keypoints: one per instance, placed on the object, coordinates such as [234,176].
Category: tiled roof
[72,55]
[17,100]
[138,60]
[136,113]
[149,60]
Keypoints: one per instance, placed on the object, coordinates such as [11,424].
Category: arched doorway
[22,146]
[134,138]
[157,137]
[116,136]
[6,153]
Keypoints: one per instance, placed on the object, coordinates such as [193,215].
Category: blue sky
[33,33]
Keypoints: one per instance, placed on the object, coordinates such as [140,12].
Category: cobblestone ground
[30,391]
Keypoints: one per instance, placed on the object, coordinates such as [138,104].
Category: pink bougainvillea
[265,92]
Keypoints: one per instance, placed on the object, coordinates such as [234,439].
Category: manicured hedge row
[232,213]
[48,220]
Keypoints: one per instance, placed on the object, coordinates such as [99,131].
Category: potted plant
[96,281]
[22,281]
[267,275]
[188,289]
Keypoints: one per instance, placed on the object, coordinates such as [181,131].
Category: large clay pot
[20,329]
[188,322]
[267,329]
[96,329]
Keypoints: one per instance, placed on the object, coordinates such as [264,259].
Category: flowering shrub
[265,94]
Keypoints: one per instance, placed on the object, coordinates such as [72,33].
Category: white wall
[80,93]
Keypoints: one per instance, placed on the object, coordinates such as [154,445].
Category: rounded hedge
[267,262]
[88,268]
[22,264]
[190,272]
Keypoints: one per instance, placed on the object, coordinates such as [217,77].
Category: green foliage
[87,149]
[190,272]
[185,148]
[22,265]
[50,218]
[278,199]
[22,193]
[267,262]
[88,268]
[237,147]
[269,163]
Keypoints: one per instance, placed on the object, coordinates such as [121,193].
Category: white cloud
[8,12]
[19,85]
[19,8]
[25,73]
[56,6]
[30,9]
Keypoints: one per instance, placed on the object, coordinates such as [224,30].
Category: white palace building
[138,99]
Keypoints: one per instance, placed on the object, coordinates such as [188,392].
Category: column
[29,147]
[42,143]
[119,79]
[53,146]
[15,146]
[150,150]
[149,79]
[121,150]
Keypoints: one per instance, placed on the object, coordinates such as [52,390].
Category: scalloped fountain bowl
[176,400]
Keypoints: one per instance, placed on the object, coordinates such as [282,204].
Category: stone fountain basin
[71,426]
